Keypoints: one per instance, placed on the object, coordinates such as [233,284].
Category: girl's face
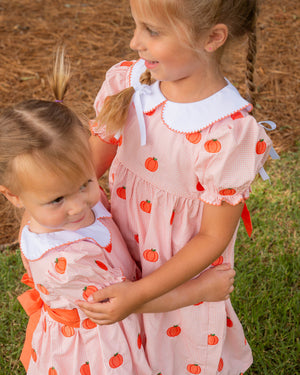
[168,58]
[55,204]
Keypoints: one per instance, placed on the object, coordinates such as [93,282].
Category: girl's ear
[217,36]
[14,199]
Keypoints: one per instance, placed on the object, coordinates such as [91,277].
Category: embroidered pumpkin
[173,331]
[42,289]
[172,217]
[212,339]
[116,361]
[150,255]
[88,324]
[101,265]
[194,137]
[126,63]
[236,115]
[67,331]
[121,192]
[150,113]
[199,187]
[139,341]
[60,265]
[52,371]
[33,355]
[136,237]
[221,364]
[85,369]
[213,146]
[218,261]
[108,247]
[229,322]
[193,368]
[146,206]
[228,191]
[261,147]
[88,290]
[151,164]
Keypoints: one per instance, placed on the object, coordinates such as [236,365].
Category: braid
[250,62]
[114,112]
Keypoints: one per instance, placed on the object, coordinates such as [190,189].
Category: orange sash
[32,304]
[247,220]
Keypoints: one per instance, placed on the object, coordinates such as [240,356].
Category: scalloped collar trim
[35,245]
[188,117]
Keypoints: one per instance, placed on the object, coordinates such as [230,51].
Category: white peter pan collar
[185,117]
[34,245]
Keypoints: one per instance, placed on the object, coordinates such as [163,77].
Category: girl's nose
[136,43]
[75,205]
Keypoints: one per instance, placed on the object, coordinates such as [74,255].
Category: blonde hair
[44,133]
[189,19]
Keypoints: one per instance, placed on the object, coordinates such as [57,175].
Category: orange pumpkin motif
[85,369]
[229,322]
[212,339]
[193,368]
[88,324]
[139,341]
[52,371]
[146,206]
[136,237]
[173,331]
[67,331]
[213,146]
[121,192]
[150,113]
[218,261]
[116,361]
[172,217]
[120,141]
[60,265]
[194,137]
[236,115]
[101,265]
[199,187]
[42,289]
[126,63]
[221,364]
[150,255]
[108,247]
[151,164]
[33,355]
[228,191]
[261,147]
[88,290]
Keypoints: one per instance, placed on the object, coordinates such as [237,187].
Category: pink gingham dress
[67,266]
[171,160]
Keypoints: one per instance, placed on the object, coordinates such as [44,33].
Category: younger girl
[72,244]
[187,151]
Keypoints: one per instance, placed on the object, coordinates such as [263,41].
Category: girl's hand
[111,304]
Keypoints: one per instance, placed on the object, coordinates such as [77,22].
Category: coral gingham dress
[67,266]
[172,158]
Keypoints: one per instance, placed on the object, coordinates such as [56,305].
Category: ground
[97,33]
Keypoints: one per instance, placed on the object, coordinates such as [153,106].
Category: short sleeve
[232,153]
[117,79]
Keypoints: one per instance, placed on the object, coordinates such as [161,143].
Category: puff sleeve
[117,79]
[231,155]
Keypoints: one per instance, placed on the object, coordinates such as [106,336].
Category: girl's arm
[217,228]
[214,284]
[103,154]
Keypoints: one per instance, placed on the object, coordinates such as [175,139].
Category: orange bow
[32,304]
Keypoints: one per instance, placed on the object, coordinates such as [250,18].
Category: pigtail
[250,61]
[60,77]
[114,112]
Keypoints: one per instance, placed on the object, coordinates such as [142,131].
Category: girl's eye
[152,32]
[57,200]
[84,186]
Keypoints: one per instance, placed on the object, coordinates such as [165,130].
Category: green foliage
[266,288]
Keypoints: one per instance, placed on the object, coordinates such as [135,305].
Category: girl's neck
[193,89]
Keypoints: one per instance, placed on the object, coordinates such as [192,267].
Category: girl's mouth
[150,64]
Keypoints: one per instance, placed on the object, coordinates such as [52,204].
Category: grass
[266,296]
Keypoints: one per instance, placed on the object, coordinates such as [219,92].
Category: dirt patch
[97,33]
